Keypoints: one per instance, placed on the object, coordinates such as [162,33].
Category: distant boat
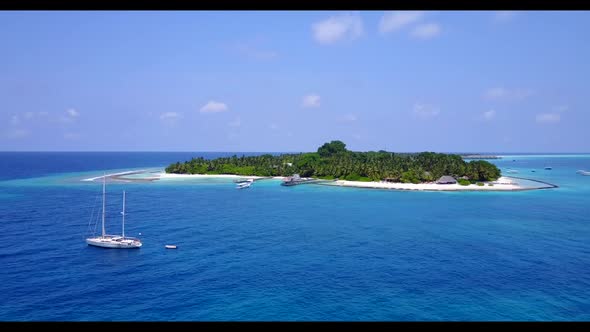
[113,241]
[170,246]
[244,185]
[242,180]
[582,172]
[548,168]
[512,171]
[291,180]
[296,179]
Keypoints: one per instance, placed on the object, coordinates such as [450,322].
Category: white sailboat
[113,241]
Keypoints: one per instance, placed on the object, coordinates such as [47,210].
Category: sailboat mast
[123,231]
[104,181]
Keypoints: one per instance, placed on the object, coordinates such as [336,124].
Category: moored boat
[243,180]
[113,241]
[244,185]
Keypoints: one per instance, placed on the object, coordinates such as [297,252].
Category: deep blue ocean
[304,253]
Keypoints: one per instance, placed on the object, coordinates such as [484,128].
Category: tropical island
[333,161]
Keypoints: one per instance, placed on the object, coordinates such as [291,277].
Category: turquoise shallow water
[291,253]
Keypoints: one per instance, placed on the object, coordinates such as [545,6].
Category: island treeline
[333,160]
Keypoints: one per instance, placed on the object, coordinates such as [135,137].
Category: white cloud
[235,123]
[522,94]
[17,133]
[489,115]
[548,118]
[393,21]
[426,31]
[73,113]
[254,52]
[273,126]
[425,111]
[71,136]
[495,93]
[500,93]
[170,119]
[503,15]
[349,117]
[71,116]
[170,116]
[312,100]
[29,115]
[214,107]
[43,113]
[14,120]
[337,28]
[231,136]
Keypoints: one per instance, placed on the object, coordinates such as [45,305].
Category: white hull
[114,242]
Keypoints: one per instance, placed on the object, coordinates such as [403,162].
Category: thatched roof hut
[446,179]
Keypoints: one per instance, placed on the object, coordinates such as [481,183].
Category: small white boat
[244,185]
[582,172]
[170,246]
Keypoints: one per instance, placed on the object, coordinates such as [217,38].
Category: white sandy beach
[168,176]
[196,176]
[112,174]
[503,183]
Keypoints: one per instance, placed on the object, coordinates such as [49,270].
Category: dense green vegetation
[464,182]
[333,160]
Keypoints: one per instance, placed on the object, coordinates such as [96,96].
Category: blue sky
[292,80]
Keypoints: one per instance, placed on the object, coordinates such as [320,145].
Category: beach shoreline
[114,175]
[164,175]
[502,184]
